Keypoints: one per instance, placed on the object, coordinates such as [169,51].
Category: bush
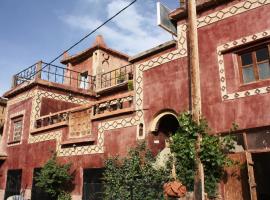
[54,178]
[134,176]
[64,196]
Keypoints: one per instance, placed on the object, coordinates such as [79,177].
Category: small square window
[17,129]
[255,64]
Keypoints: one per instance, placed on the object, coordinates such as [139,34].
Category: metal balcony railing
[56,74]
[116,76]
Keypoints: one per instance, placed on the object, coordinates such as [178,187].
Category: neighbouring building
[102,102]
[3,104]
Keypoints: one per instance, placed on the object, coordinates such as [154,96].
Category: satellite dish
[163,19]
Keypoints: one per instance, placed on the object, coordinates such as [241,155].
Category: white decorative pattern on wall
[222,75]
[231,11]
[180,52]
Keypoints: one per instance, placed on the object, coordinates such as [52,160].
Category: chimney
[65,55]
[182,3]
[99,41]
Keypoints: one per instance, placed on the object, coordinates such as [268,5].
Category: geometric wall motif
[157,61]
[39,94]
[79,123]
[138,86]
[231,11]
[36,106]
[99,147]
[182,44]
[227,46]
[86,149]
[56,135]
[20,97]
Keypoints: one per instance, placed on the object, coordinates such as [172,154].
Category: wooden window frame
[255,68]
[15,120]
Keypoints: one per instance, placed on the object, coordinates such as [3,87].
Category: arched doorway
[163,125]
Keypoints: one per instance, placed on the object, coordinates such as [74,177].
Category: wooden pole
[195,93]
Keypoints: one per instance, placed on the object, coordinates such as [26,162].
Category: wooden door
[251,177]
[13,184]
[235,184]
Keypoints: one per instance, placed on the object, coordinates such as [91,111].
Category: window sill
[14,142]
[113,113]
[46,128]
[74,141]
[254,85]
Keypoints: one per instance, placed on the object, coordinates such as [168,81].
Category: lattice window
[17,129]
[80,123]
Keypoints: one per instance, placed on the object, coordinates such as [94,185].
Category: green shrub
[134,176]
[64,196]
[212,153]
[54,178]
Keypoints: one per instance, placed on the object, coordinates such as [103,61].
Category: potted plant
[130,85]
[120,77]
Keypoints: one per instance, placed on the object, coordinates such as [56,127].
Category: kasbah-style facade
[104,101]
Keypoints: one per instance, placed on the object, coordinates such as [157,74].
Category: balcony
[51,121]
[55,74]
[41,72]
[117,105]
[116,77]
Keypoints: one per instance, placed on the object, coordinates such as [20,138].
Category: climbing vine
[134,177]
[212,153]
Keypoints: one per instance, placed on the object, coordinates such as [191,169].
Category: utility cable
[86,36]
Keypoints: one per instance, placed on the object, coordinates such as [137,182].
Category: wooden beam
[195,93]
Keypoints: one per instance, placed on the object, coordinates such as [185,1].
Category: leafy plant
[212,153]
[130,85]
[120,77]
[134,176]
[54,178]
[64,196]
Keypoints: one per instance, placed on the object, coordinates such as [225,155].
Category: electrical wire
[86,36]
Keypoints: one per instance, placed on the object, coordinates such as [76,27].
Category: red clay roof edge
[90,50]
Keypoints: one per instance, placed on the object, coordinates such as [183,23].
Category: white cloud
[133,31]
[129,20]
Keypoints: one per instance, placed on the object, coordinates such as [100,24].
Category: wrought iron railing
[116,76]
[57,74]
[25,75]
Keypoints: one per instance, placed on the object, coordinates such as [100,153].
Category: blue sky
[33,30]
